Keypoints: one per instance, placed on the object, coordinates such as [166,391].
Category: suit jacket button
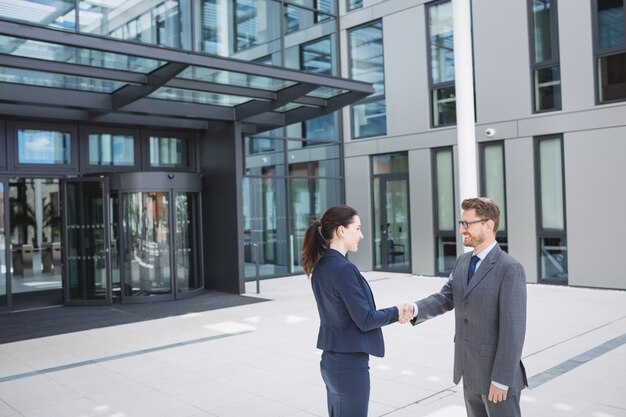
[465,320]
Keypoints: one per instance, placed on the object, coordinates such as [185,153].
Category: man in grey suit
[487,290]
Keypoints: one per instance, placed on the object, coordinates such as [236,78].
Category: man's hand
[496,395]
[405,313]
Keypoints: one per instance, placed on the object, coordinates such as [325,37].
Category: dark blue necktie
[472,267]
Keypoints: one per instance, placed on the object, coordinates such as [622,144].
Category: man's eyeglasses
[466,225]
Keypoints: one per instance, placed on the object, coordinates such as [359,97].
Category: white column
[464,86]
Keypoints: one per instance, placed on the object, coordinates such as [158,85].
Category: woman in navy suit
[349,322]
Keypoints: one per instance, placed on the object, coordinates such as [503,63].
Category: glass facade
[43,147]
[610,50]
[545,65]
[552,231]
[493,184]
[441,51]
[367,63]
[445,227]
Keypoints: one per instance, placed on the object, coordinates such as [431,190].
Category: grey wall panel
[520,197]
[595,199]
[422,241]
[359,196]
[576,54]
[406,74]
[221,163]
[501,60]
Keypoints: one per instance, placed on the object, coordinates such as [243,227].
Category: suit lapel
[485,266]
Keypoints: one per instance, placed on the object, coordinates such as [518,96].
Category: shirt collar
[483,254]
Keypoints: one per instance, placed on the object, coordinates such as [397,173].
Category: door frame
[108,297]
[384,249]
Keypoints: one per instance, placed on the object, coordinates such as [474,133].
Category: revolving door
[148,250]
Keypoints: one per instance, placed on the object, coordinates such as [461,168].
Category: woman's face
[352,234]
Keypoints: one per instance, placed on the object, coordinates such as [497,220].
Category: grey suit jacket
[490,321]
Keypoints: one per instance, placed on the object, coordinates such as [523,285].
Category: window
[354,4]
[45,147]
[107,149]
[445,227]
[441,51]
[255,23]
[369,117]
[317,57]
[59,14]
[166,152]
[493,182]
[551,228]
[544,46]
[610,50]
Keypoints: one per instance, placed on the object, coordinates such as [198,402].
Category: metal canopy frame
[131,103]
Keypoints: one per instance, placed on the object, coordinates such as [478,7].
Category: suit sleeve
[352,292]
[435,304]
[512,325]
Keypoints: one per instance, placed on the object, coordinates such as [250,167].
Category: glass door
[392,244]
[3,249]
[87,277]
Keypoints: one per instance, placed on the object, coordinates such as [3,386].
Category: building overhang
[54,74]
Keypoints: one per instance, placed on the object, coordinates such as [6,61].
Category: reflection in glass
[354,4]
[445,190]
[86,241]
[255,22]
[35,220]
[369,119]
[71,55]
[551,183]
[494,180]
[553,259]
[234,78]
[444,106]
[390,163]
[111,150]
[58,14]
[544,15]
[43,147]
[610,23]
[139,21]
[391,224]
[446,255]
[146,228]
[547,88]
[46,79]
[3,262]
[441,42]
[167,152]
[187,243]
[366,55]
[190,96]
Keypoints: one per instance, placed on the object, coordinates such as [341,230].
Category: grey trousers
[477,405]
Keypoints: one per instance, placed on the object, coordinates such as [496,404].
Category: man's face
[474,234]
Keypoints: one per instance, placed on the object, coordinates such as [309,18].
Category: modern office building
[152,149]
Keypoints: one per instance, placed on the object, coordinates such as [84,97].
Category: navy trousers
[347,379]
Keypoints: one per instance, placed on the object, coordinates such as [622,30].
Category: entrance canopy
[54,74]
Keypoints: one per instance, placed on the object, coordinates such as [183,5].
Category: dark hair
[318,235]
[485,209]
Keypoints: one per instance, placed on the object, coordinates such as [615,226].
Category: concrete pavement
[260,360]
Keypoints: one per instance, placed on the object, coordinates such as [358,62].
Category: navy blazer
[349,321]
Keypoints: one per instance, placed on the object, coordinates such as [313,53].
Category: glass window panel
[354,4]
[57,14]
[543,16]
[326,92]
[3,261]
[610,23]
[369,119]
[446,255]
[612,74]
[317,57]
[444,106]
[551,183]
[366,55]
[553,258]
[445,190]
[44,79]
[167,152]
[61,53]
[187,242]
[321,128]
[111,150]
[138,21]
[547,88]
[43,147]
[176,94]
[493,164]
[441,42]
[390,163]
[234,78]
[255,22]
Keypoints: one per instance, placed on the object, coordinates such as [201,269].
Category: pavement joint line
[448,391]
[574,337]
[118,356]
[573,363]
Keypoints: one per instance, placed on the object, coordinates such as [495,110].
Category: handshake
[405,313]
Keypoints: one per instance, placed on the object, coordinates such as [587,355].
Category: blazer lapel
[485,266]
